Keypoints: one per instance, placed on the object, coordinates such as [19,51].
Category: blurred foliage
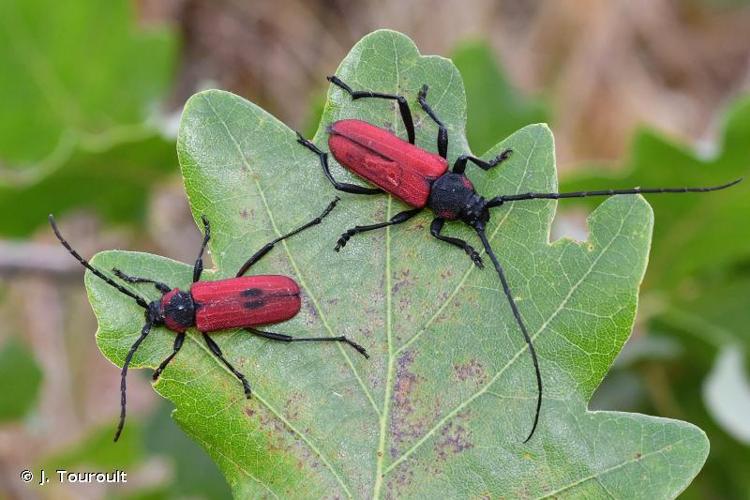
[96,451]
[17,364]
[58,102]
[86,86]
[495,108]
[113,184]
[708,326]
[727,393]
[81,131]
[673,389]
[698,234]
[314,113]
[195,474]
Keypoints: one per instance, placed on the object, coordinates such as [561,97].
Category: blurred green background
[648,92]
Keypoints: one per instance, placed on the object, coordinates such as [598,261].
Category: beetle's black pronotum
[422,180]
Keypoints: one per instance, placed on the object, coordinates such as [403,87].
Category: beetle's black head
[177,310]
[155,313]
[476,214]
[453,197]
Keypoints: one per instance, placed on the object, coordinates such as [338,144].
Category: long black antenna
[140,300]
[499,200]
[144,333]
[521,325]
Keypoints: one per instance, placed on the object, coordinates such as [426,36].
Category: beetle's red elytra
[244,302]
[386,160]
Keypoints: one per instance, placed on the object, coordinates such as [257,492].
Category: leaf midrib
[447,301]
[385,415]
[309,293]
[379,473]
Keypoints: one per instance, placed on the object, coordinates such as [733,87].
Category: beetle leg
[396,219]
[198,268]
[437,226]
[179,339]
[282,337]
[460,165]
[217,352]
[442,140]
[403,106]
[268,246]
[341,186]
[163,288]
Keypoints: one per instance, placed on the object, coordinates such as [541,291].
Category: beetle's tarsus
[341,243]
[358,347]
[475,257]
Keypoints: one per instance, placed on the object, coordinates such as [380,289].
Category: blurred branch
[36,258]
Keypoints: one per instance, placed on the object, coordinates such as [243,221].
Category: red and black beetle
[422,180]
[239,302]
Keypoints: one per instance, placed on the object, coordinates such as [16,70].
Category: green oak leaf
[695,287]
[444,403]
[79,129]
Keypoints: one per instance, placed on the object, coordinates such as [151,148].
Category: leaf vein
[283,420]
[309,293]
[597,475]
[513,359]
